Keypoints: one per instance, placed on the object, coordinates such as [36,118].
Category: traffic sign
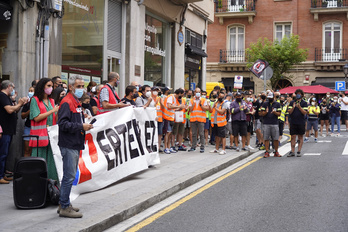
[193,86]
[340,86]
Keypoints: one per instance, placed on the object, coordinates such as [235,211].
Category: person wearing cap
[312,120]
[297,111]
[270,111]
[239,126]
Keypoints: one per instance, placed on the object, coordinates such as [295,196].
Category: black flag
[258,67]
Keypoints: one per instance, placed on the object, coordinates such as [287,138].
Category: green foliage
[281,56]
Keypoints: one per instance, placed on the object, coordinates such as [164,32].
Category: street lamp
[345,71]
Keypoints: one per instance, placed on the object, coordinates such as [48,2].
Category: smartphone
[93,121]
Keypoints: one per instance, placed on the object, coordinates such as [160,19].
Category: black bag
[53,191]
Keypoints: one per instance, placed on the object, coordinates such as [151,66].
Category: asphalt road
[308,193]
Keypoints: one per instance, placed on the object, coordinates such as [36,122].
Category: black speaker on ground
[30,183]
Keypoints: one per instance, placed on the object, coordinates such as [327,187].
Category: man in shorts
[312,121]
[270,111]
[239,109]
[343,100]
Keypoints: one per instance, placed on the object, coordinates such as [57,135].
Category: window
[282,30]
[332,41]
[194,39]
[236,5]
[236,46]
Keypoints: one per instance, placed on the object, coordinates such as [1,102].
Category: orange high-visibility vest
[168,114]
[159,111]
[98,105]
[40,128]
[197,113]
[221,118]
[112,99]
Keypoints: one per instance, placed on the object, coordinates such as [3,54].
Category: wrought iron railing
[331,54]
[328,3]
[232,56]
[222,6]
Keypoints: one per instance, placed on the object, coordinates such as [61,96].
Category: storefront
[5,23]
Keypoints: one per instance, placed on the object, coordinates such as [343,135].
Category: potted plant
[324,4]
[241,9]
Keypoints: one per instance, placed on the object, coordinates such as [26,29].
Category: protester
[198,107]
[297,111]
[270,111]
[129,98]
[42,115]
[218,123]
[249,119]
[8,123]
[343,100]
[95,103]
[71,140]
[335,112]
[65,87]
[57,82]
[213,98]
[239,125]
[145,99]
[179,127]
[324,117]
[312,121]
[188,132]
[229,131]
[283,118]
[27,123]
[257,122]
[159,118]
[108,98]
[90,87]
[58,94]
[86,106]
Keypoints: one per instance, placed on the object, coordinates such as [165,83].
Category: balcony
[235,9]
[328,7]
[329,59]
[232,56]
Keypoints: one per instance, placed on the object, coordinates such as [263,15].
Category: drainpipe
[45,49]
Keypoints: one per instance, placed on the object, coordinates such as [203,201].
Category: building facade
[321,26]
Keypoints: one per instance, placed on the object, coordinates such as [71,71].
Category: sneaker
[3,181]
[181,148]
[167,151]
[238,149]
[176,144]
[266,155]
[201,150]
[8,178]
[299,154]
[262,147]
[315,140]
[183,145]
[223,152]
[276,154]
[160,151]
[70,213]
[174,148]
[234,148]
[73,208]
[244,149]
[171,150]
[338,134]
[291,154]
[192,149]
[306,140]
[214,151]
[250,147]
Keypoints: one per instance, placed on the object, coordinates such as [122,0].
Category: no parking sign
[238,82]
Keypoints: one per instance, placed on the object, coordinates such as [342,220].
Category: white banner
[122,142]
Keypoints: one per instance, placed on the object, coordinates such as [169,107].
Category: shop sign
[193,62]
[180,36]
[153,50]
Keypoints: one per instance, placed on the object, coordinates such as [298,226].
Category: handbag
[179,116]
[53,191]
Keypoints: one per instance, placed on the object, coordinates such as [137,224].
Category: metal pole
[264,80]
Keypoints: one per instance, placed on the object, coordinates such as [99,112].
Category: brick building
[321,25]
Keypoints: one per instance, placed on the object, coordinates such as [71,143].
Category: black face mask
[277,96]
[179,97]
[214,96]
[85,105]
[263,97]
[160,94]
[324,103]
[238,99]
[220,99]
[188,96]
[135,95]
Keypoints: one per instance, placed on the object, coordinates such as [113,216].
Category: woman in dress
[42,115]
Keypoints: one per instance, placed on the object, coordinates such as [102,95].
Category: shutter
[114,25]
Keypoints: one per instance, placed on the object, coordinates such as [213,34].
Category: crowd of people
[191,116]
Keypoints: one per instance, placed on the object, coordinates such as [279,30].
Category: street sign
[238,82]
[340,86]
[193,86]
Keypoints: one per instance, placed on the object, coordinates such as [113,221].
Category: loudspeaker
[30,183]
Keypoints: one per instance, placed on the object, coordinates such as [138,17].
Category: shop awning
[195,51]
[5,11]
[316,89]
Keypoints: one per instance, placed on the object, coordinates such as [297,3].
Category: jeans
[70,162]
[337,119]
[200,127]
[4,146]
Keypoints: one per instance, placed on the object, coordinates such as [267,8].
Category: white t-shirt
[198,101]
[344,107]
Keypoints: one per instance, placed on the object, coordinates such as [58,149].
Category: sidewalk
[124,199]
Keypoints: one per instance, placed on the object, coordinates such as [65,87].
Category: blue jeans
[70,162]
[4,146]
[337,119]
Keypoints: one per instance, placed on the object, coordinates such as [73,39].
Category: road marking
[283,150]
[345,151]
[312,154]
[188,197]
[324,141]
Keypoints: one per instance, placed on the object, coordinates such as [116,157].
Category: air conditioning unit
[56,5]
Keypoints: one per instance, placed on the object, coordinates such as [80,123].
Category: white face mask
[198,94]
[313,103]
[335,100]
[204,96]
[155,93]
[148,94]
[327,95]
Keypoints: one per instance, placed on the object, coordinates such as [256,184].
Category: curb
[132,211]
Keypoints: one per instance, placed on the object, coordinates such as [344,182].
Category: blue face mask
[78,93]
[298,96]
[30,94]
[13,92]
[137,87]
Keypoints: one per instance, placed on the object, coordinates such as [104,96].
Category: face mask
[179,97]
[160,94]
[155,93]
[148,94]
[263,97]
[94,89]
[324,102]
[298,96]
[78,93]
[277,96]
[135,95]
[204,96]
[238,99]
[189,96]
[220,99]
[85,105]
[30,94]
[313,103]
[48,91]
[214,96]
[66,90]
[137,87]
[13,92]
[117,83]
[248,99]
[327,96]
[335,100]
[198,94]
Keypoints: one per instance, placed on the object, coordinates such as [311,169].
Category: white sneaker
[223,152]
[214,151]
[250,147]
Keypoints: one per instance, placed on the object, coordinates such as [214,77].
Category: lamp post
[345,71]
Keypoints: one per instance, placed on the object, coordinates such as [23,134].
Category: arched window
[236,44]
[332,44]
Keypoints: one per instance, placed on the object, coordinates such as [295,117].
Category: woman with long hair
[42,115]
[58,94]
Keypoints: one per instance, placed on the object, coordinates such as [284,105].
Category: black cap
[238,94]
[155,88]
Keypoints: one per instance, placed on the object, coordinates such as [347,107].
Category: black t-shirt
[8,122]
[256,106]
[126,100]
[297,117]
[93,102]
[270,118]
[25,109]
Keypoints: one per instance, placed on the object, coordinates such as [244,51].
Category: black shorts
[344,116]
[219,131]
[297,129]
[281,127]
[324,117]
[239,127]
[250,127]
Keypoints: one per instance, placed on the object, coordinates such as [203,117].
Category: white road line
[283,150]
[345,151]
[312,154]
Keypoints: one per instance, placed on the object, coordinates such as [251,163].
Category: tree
[281,56]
